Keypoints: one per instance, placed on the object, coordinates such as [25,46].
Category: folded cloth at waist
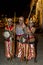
[8,39]
[21,35]
[30,37]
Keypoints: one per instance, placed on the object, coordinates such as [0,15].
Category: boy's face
[21,20]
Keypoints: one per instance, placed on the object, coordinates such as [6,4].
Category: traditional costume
[22,48]
[9,39]
[31,40]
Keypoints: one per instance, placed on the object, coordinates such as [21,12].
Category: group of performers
[20,39]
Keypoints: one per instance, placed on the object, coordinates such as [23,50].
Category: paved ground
[15,61]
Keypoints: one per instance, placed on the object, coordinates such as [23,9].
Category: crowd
[20,39]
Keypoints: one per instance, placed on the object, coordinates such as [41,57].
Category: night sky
[21,7]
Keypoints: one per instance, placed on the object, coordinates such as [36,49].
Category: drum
[6,34]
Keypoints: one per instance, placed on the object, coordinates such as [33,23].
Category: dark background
[21,7]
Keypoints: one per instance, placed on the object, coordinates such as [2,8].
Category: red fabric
[8,40]
[9,28]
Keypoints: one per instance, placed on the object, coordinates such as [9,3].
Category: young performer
[9,40]
[31,40]
[22,48]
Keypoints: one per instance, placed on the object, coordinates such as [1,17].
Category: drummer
[9,42]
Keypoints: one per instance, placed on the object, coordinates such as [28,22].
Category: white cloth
[19,31]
